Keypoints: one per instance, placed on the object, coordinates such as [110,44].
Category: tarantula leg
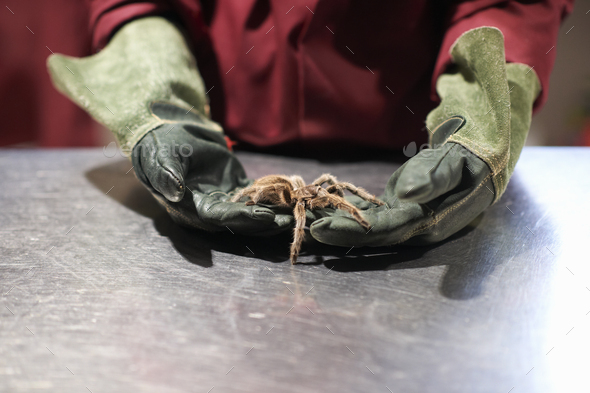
[298,231]
[336,189]
[258,195]
[334,184]
[361,192]
[243,192]
[343,204]
[297,181]
[274,194]
[266,183]
[253,192]
[325,178]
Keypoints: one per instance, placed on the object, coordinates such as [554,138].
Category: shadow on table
[195,246]
[495,237]
[470,255]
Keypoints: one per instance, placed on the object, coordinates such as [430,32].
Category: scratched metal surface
[103,293]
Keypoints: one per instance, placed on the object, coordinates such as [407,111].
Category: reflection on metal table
[103,293]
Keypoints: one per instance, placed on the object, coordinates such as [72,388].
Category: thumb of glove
[160,166]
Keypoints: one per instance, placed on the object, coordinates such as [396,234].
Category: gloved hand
[188,168]
[477,134]
[146,88]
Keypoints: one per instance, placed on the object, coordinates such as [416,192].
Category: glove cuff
[482,91]
[147,61]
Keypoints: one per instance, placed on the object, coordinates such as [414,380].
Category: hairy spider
[291,191]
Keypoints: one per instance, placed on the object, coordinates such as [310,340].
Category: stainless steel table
[101,292]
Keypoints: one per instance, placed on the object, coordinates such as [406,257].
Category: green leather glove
[477,134]
[188,168]
[146,88]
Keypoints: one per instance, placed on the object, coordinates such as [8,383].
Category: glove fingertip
[172,187]
[262,213]
[342,232]
[322,223]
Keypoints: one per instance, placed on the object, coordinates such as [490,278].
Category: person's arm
[492,71]
[107,16]
[477,133]
[146,88]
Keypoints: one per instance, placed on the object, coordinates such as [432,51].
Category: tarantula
[291,191]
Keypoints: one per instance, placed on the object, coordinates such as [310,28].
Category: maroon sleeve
[106,16]
[530,31]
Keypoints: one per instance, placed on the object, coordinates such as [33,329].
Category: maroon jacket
[352,72]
